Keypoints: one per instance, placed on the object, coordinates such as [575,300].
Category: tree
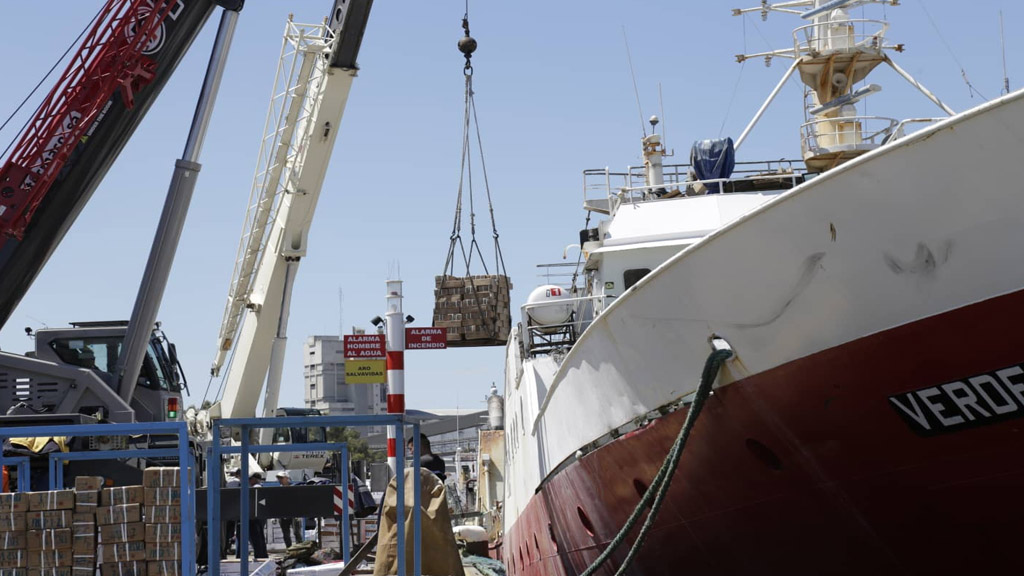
[358,449]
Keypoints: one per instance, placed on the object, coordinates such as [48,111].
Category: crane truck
[314,78]
[83,373]
[77,375]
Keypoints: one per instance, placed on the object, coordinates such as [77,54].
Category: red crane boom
[112,57]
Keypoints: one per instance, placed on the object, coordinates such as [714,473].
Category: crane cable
[40,83]
[470,124]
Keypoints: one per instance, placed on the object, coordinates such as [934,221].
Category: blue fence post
[243,504]
[400,491]
[346,521]
[214,472]
[22,462]
[24,476]
[58,466]
[416,505]
[52,464]
[188,502]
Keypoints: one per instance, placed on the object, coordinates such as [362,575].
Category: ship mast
[832,54]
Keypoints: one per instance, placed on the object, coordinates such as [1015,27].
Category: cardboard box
[57,571]
[160,476]
[166,551]
[163,532]
[89,483]
[14,502]
[13,558]
[166,496]
[49,539]
[13,540]
[83,560]
[113,533]
[121,495]
[48,519]
[120,514]
[13,522]
[162,568]
[49,558]
[163,514]
[52,500]
[123,569]
[87,501]
[83,528]
[83,544]
[121,552]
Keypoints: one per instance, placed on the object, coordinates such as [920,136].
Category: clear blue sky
[553,96]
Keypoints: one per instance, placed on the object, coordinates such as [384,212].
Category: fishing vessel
[868,420]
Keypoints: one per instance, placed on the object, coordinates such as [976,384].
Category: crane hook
[467,45]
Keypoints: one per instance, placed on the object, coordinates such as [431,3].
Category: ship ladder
[721,351]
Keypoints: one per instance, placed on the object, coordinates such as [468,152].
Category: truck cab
[72,372]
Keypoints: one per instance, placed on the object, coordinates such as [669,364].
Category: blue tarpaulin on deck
[713,159]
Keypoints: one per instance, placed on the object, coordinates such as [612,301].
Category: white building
[325,387]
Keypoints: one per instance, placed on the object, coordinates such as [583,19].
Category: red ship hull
[813,468]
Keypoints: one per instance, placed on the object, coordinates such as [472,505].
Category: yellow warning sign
[365,371]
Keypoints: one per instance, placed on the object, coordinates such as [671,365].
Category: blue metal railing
[185,460]
[24,478]
[215,473]
[346,536]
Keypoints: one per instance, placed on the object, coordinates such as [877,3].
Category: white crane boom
[311,88]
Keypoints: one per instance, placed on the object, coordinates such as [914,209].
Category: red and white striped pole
[396,365]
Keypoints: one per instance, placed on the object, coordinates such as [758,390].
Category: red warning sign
[364,346]
[426,338]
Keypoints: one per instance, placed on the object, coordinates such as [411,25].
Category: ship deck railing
[846,133]
[603,189]
[846,36]
[545,338]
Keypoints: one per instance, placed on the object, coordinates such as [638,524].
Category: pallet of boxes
[139,527]
[36,533]
[474,310]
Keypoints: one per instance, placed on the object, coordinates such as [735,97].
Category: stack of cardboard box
[162,501]
[13,538]
[83,528]
[48,540]
[474,310]
[121,549]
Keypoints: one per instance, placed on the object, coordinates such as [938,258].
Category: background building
[325,387]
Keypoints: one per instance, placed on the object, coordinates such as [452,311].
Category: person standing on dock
[256,536]
[428,459]
[288,524]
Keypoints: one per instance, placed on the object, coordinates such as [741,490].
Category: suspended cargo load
[473,309]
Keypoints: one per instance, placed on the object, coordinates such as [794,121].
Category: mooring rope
[663,480]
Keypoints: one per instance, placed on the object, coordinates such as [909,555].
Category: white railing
[540,339]
[845,133]
[679,180]
[840,36]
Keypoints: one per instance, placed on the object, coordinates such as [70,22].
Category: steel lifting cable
[470,124]
[40,83]
[655,495]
